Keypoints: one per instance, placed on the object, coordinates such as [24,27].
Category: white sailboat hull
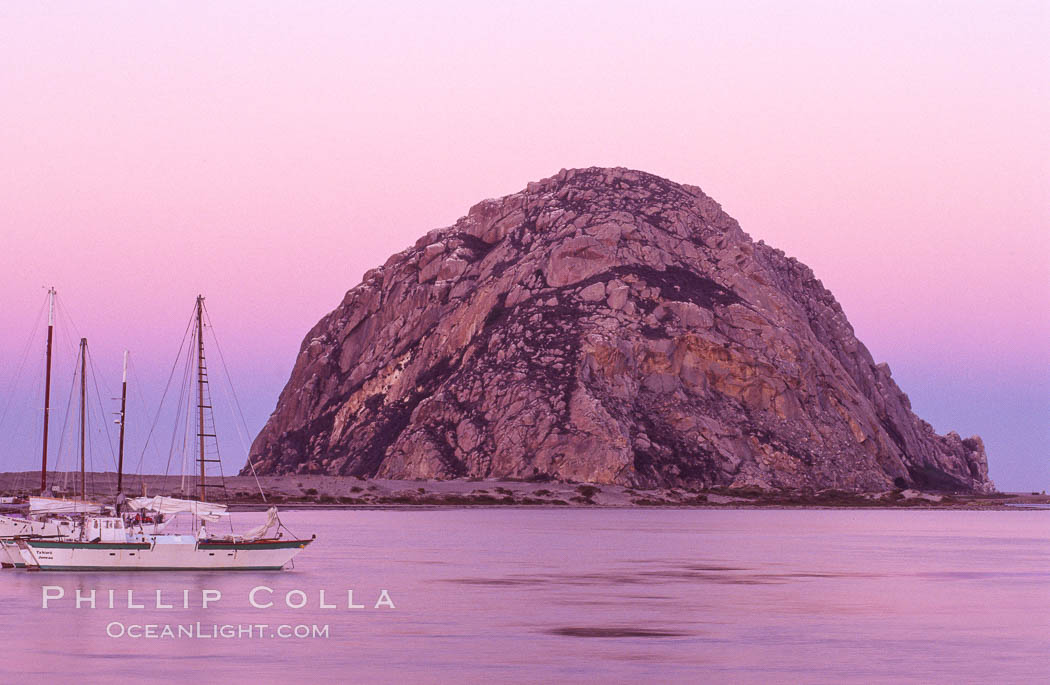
[11,526]
[178,553]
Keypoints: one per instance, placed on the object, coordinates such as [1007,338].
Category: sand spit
[319,491]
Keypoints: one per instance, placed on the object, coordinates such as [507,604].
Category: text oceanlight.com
[206,631]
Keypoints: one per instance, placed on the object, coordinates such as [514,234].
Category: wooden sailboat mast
[200,392]
[47,383]
[83,415]
[123,407]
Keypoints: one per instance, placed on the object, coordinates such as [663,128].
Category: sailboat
[119,543]
[47,517]
[53,518]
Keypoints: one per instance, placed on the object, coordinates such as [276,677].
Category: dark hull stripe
[55,544]
[154,568]
[247,546]
[243,546]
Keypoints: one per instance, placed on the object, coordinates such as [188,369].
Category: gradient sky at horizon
[268,154]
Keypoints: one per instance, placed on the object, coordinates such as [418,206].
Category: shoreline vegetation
[301,491]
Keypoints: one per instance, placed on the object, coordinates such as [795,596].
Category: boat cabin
[106,529]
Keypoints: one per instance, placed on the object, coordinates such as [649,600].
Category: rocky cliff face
[609,326]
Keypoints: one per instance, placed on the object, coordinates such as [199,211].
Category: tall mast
[83,414]
[123,407]
[47,383]
[200,390]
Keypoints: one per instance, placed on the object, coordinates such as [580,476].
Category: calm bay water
[522,595]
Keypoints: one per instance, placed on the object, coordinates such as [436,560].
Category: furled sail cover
[50,505]
[208,511]
[261,531]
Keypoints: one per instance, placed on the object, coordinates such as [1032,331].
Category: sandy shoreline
[340,492]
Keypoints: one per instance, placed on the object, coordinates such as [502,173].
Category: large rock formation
[609,326]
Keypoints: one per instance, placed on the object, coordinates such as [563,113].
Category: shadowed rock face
[609,326]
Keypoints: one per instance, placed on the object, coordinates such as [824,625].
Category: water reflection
[687,573]
[613,632]
[584,595]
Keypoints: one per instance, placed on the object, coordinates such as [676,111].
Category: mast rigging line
[134,374]
[163,396]
[199,315]
[62,312]
[24,357]
[237,403]
[74,354]
[183,400]
[62,315]
[83,415]
[204,390]
[187,415]
[22,362]
[101,409]
[65,427]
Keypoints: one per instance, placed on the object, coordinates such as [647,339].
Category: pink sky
[268,154]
